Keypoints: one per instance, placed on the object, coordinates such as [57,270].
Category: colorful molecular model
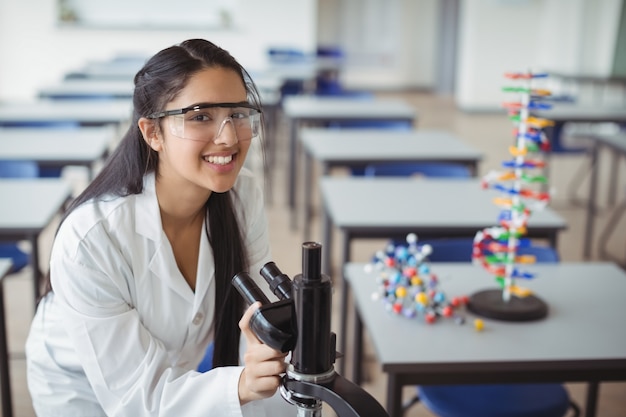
[496,248]
[407,286]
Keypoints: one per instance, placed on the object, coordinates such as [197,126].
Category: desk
[108,70]
[589,78]
[382,207]
[567,113]
[33,205]
[302,70]
[572,344]
[84,112]
[5,375]
[57,148]
[617,145]
[83,89]
[356,148]
[315,110]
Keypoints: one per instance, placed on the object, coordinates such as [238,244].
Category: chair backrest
[19,169]
[542,254]
[43,124]
[460,250]
[332,51]
[427,169]
[286,55]
[372,124]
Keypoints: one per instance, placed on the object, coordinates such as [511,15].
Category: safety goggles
[205,122]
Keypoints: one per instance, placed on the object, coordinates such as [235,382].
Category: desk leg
[5,377]
[291,174]
[614,176]
[591,204]
[394,396]
[308,190]
[357,357]
[343,326]
[327,239]
[592,399]
[553,240]
[34,263]
[474,169]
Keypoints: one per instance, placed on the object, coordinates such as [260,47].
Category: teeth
[219,160]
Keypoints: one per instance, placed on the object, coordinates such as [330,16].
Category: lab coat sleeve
[127,367]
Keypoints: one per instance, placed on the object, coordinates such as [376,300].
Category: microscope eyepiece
[311,261]
[280,284]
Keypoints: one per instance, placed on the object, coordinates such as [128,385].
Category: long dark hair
[157,83]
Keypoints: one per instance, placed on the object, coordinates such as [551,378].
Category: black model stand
[490,304]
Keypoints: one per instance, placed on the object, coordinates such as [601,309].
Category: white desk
[582,338]
[316,110]
[366,208]
[84,112]
[29,207]
[567,113]
[82,89]
[108,70]
[357,148]
[57,148]
[5,375]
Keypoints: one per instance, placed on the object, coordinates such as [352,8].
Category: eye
[239,114]
[199,117]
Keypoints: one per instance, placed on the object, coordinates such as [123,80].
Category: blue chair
[492,400]
[207,362]
[427,169]
[16,169]
[460,250]
[371,124]
[511,400]
[288,56]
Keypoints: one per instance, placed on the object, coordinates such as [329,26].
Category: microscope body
[300,322]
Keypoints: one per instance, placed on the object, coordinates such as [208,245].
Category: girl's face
[208,162]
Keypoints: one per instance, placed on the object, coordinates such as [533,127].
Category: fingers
[261,375]
[244,323]
[263,365]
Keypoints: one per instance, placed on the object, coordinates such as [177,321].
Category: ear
[150,132]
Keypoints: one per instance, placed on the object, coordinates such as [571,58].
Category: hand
[263,365]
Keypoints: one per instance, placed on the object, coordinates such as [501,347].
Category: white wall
[390,44]
[35,51]
[497,36]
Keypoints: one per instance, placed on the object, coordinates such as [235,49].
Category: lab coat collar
[163,263]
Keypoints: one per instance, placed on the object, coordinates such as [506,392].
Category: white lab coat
[122,333]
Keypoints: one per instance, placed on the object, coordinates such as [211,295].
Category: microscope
[300,323]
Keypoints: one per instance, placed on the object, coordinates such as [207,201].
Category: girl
[141,266]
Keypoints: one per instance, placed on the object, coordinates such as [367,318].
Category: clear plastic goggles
[205,122]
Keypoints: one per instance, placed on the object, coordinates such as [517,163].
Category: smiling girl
[141,265]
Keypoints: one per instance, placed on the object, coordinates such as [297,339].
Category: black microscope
[300,322]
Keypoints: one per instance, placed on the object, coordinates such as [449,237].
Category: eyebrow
[217,103]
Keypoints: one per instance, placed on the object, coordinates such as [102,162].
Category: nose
[226,135]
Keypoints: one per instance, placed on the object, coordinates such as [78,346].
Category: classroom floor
[489,132]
